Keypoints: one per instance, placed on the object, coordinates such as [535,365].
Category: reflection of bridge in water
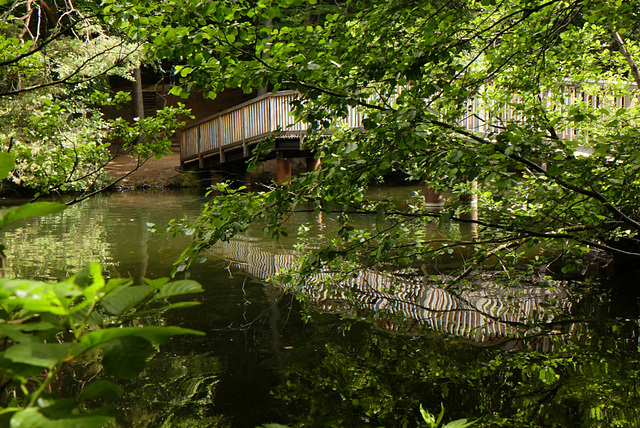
[488,313]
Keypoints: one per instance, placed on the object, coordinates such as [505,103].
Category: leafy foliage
[47,328]
[55,83]
[549,168]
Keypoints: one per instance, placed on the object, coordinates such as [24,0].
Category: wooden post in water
[312,164]
[283,168]
[469,229]
[199,149]
[138,102]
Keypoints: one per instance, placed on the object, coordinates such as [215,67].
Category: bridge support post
[312,164]
[283,168]
[431,197]
[469,229]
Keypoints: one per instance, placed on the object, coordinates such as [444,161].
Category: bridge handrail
[257,119]
[248,122]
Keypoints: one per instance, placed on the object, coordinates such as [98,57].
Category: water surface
[267,357]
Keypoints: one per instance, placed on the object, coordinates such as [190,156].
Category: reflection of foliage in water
[361,376]
[578,365]
[173,391]
[485,309]
[347,373]
[50,247]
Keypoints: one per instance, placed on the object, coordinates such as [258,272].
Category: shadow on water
[365,352]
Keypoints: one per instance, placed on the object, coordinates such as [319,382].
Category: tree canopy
[549,88]
[524,113]
[55,64]
[547,91]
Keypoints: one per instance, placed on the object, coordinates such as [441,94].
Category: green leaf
[124,299]
[125,357]
[83,278]
[177,288]
[460,423]
[34,209]
[101,389]
[428,417]
[13,369]
[32,296]
[156,283]
[441,415]
[92,281]
[25,332]
[176,90]
[7,164]
[33,418]
[171,34]
[154,334]
[44,355]
[165,308]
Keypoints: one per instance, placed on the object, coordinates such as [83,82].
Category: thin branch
[79,68]
[633,67]
[111,185]
[538,169]
[38,47]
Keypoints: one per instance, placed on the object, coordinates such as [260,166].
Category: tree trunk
[138,103]
[264,89]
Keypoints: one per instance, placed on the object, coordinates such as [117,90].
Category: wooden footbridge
[230,136]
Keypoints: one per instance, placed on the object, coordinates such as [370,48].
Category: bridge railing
[259,118]
[487,117]
[246,123]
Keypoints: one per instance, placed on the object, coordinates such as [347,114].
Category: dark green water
[268,358]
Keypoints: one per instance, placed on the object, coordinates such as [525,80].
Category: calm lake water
[269,357]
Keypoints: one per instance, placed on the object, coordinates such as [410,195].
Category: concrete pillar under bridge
[284,165]
[312,164]
[432,197]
